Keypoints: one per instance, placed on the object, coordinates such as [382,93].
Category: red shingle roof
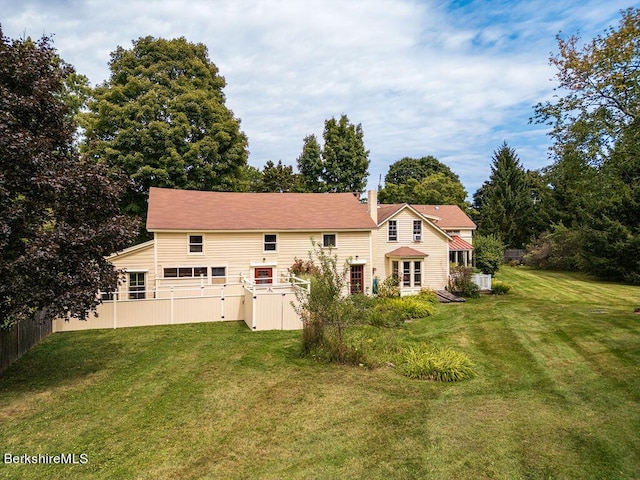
[195,210]
[444,216]
[406,252]
[458,244]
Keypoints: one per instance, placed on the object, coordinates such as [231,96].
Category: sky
[449,79]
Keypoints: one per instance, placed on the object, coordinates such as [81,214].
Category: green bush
[461,283]
[390,287]
[488,253]
[500,288]
[444,365]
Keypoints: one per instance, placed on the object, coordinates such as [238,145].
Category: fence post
[171,305]
[222,302]
[116,296]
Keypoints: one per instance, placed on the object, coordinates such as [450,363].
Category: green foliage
[417,168]
[394,311]
[326,311]
[596,174]
[488,253]
[435,189]
[423,181]
[500,288]
[59,214]
[389,287]
[161,118]
[426,363]
[341,165]
[554,250]
[278,178]
[504,203]
[461,282]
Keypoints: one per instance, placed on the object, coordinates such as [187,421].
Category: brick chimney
[372,204]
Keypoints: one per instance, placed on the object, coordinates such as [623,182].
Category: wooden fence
[21,337]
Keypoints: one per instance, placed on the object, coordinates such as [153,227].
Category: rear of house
[218,256]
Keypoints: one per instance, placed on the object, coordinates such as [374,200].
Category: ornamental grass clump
[500,288]
[444,365]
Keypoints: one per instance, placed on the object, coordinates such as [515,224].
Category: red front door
[264,276]
[357,279]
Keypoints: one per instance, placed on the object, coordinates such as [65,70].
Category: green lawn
[557,395]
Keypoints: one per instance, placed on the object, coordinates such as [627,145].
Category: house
[219,254]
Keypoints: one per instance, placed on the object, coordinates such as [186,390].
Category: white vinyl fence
[262,307]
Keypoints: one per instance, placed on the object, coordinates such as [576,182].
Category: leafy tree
[417,168]
[341,165]
[423,181]
[161,118]
[278,178]
[60,214]
[310,165]
[594,124]
[504,202]
[435,189]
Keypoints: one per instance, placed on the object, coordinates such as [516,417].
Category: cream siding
[135,260]
[241,252]
[435,267]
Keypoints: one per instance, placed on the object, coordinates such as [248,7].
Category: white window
[196,244]
[218,274]
[417,230]
[406,274]
[136,286]
[329,240]
[417,274]
[393,230]
[185,272]
[270,243]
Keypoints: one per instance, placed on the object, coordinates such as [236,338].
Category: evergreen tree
[504,202]
[278,178]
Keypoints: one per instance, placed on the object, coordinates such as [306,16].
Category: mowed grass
[557,396]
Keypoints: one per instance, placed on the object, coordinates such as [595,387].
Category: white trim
[264,243]
[192,234]
[357,262]
[133,249]
[263,264]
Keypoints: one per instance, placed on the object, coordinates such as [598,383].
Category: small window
[106,296]
[136,286]
[199,271]
[417,274]
[393,230]
[185,272]
[218,275]
[170,273]
[395,269]
[417,230]
[329,240]
[196,244]
[270,242]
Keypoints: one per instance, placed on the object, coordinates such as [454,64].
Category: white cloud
[423,77]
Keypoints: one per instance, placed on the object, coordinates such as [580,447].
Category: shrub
[460,282]
[554,250]
[303,267]
[445,365]
[500,288]
[390,287]
[488,253]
